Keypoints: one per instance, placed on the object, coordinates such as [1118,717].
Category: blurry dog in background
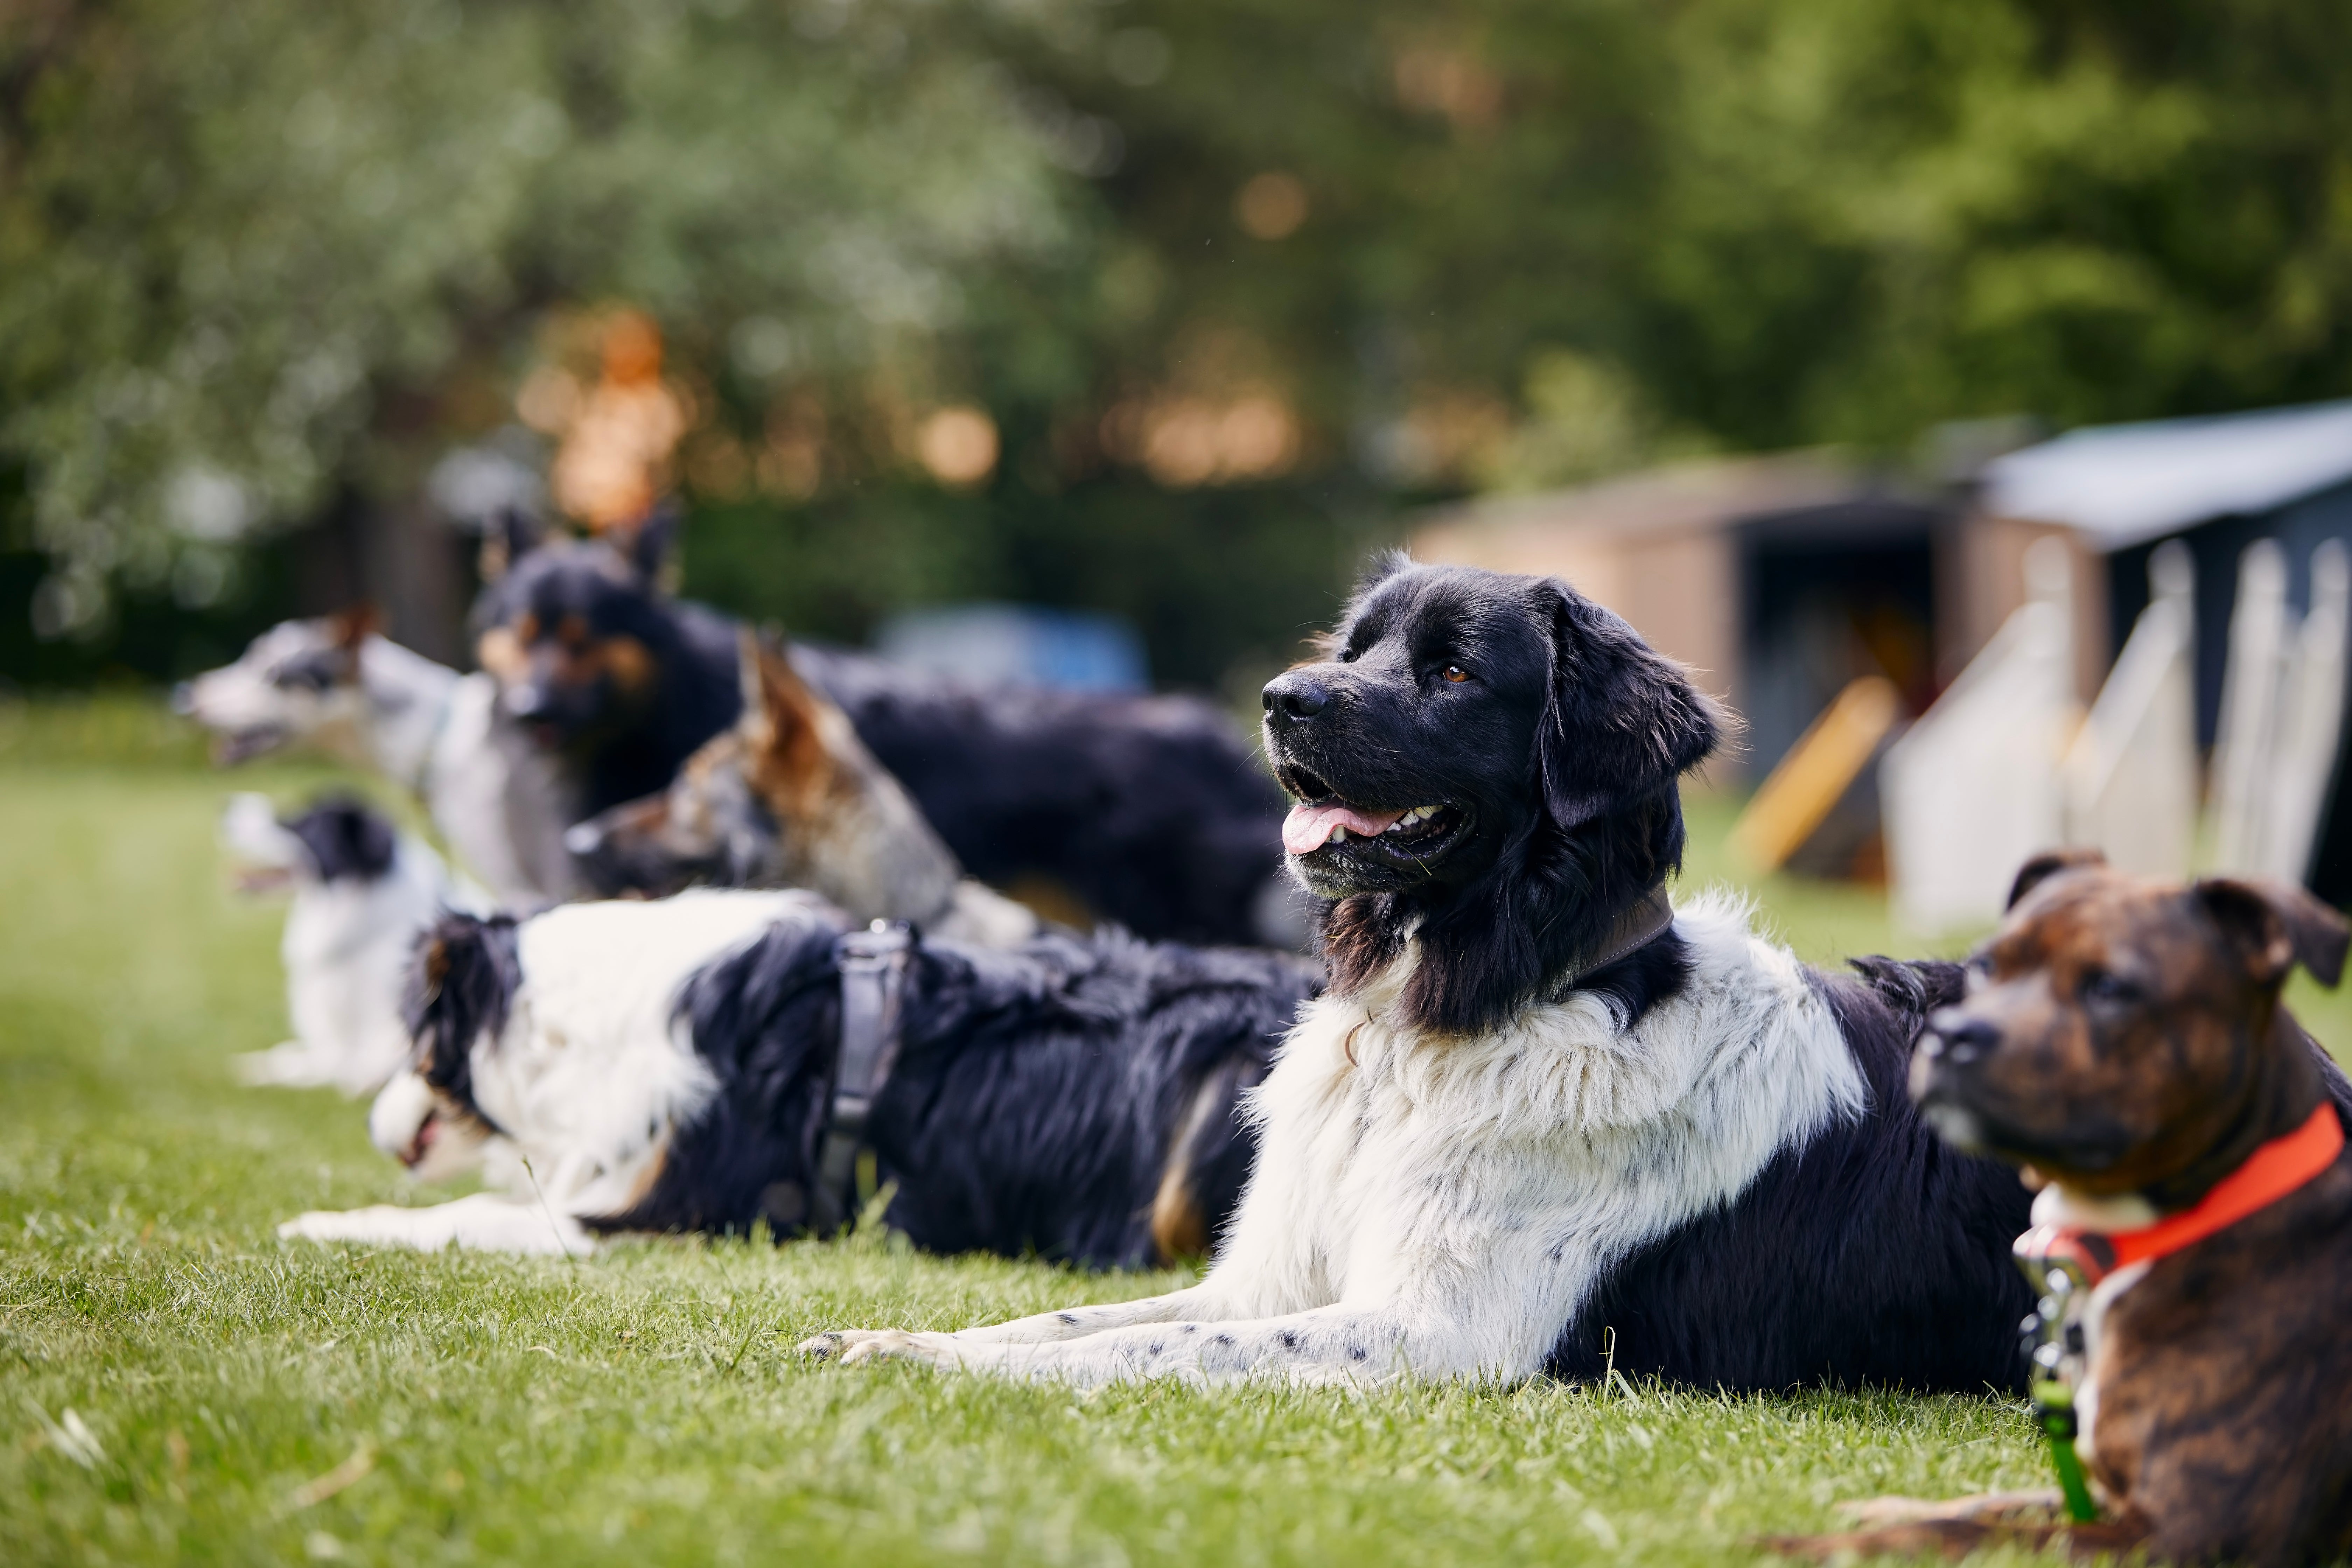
[1147,811]
[672,1066]
[613,679]
[2124,1041]
[334,684]
[790,797]
[363,892]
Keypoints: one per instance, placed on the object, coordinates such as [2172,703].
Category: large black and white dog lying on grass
[1537,1104]
[669,1066]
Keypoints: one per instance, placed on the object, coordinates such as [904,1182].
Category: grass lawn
[237,1399]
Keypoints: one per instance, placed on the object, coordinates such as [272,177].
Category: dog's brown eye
[2109,989]
[1455,673]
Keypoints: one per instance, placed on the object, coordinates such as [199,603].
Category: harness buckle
[873,966]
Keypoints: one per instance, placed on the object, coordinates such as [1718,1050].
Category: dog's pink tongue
[1309,827]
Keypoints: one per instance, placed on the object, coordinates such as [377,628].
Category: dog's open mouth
[244,745]
[428,1132]
[1322,819]
[255,881]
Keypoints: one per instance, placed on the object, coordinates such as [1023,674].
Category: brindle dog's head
[2118,1032]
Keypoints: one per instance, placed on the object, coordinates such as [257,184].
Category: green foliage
[1880,215]
[258,248]
[260,251]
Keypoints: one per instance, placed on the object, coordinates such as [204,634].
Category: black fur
[1150,810]
[619,739]
[1558,756]
[766,1021]
[1035,1099]
[344,837]
[461,987]
[1871,1254]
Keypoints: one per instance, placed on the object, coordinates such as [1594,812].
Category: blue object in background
[1019,645]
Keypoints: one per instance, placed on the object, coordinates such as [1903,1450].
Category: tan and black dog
[2123,1041]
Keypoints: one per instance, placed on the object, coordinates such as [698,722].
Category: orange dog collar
[2270,1174]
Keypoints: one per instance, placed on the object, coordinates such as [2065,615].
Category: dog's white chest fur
[1438,1205]
[1560,1136]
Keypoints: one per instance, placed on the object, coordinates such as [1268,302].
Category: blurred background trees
[1165,309]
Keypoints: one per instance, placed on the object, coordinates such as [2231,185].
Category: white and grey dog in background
[362,892]
[335,683]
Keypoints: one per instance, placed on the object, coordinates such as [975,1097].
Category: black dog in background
[1150,811]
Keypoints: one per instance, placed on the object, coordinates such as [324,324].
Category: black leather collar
[1639,924]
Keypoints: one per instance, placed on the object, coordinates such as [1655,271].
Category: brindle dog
[2123,1041]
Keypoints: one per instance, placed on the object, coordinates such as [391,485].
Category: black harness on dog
[873,966]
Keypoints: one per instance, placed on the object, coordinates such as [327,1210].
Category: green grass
[645,1405]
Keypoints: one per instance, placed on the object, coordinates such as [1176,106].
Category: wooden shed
[1778,579]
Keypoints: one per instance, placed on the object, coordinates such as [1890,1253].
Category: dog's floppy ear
[2046,865]
[461,986]
[344,837]
[1621,721]
[2275,926]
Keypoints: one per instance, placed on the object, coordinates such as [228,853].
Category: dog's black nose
[1296,695]
[1958,1038]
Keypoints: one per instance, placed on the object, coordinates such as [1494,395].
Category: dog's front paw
[322,1224]
[856,1347]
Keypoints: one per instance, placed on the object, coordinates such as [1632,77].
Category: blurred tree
[260,251]
[1875,216]
[1517,240]
[1157,307]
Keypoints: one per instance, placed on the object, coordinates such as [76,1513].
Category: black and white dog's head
[460,992]
[1486,764]
[298,681]
[338,838]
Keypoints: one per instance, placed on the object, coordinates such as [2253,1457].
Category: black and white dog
[1150,811]
[1539,1105]
[363,892]
[678,1065]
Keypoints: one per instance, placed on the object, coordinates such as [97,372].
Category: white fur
[587,1082]
[1440,1207]
[2059,1205]
[346,950]
[495,798]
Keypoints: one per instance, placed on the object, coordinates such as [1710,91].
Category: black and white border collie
[667,1066]
[363,892]
[1540,1120]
